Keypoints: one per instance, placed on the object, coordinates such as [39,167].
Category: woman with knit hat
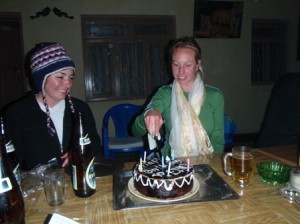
[39,125]
[191,111]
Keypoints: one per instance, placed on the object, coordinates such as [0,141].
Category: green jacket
[211,115]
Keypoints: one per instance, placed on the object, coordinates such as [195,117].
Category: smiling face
[185,67]
[57,86]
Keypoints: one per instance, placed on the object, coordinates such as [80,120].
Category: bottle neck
[2,140]
[80,127]
[2,130]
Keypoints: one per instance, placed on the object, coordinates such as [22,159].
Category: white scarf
[187,136]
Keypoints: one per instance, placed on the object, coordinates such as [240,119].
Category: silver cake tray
[211,188]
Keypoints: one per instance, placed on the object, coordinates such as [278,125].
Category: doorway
[12,75]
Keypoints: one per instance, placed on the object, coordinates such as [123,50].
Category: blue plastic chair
[122,116]
[229,130]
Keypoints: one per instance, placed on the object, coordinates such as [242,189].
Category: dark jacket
[281,124]
[26,126]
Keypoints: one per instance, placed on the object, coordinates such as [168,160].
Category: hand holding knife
[154,142]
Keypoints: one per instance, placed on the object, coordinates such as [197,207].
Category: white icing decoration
[157,171]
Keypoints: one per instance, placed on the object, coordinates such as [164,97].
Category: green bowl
[273,172]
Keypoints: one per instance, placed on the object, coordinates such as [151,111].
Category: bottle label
[9,147]
[74,173]
[85,140]
[5,185]
[90,175]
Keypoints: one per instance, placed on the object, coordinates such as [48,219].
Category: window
[125,56]
[268,50]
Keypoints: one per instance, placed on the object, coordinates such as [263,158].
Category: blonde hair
[185,42]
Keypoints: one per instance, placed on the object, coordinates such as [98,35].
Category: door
[12,85]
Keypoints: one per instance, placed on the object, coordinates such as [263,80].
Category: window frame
[269,46]
[149,30]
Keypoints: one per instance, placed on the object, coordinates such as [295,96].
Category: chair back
[229,130]
[122,116]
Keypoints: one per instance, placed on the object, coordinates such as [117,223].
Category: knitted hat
[49,58]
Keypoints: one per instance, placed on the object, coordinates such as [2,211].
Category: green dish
[274,173]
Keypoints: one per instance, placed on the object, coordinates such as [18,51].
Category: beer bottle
[12,208]
[11,155]
[83,171]
[13,160]
[298,152]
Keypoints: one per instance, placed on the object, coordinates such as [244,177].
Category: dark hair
[185,42]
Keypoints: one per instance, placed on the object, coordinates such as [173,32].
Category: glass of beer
[241,165]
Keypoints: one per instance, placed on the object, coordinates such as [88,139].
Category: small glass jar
[295,177]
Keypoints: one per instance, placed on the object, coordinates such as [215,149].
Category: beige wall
[226,62]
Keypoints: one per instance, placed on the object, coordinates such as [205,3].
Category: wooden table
[286,154]
[259,203]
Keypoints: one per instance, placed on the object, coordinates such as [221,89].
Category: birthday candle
[188,165]
[172,154]
[162,162]
[145,156]
[141,165]
[169,167]
[140,168]
[167,158]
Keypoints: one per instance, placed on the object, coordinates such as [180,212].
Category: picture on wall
[217,19]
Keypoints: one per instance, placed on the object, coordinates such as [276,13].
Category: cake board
[211,188]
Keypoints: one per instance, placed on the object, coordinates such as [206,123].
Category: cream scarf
[188,137]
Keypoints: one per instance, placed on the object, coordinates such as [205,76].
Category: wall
[226,62]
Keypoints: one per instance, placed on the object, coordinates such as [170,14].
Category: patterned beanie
[49,58]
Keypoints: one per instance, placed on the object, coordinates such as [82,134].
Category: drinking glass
[54,187]
[241,165]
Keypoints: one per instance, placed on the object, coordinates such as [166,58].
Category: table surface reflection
[259,203]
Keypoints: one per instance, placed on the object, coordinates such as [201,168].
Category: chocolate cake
[152,180]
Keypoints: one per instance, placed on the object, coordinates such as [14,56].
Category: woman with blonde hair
[192,112]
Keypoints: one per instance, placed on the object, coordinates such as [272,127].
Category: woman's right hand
[66,158]
[153,121]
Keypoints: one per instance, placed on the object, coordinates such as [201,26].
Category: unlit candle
[141,165]
[169,168]
[172,154]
